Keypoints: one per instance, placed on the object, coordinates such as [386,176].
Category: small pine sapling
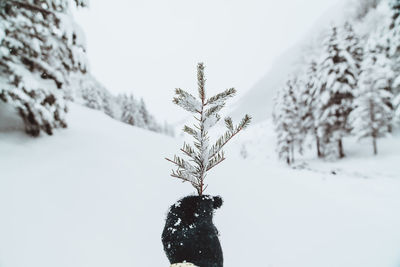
[203,157]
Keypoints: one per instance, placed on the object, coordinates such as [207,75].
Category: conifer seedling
[202,156]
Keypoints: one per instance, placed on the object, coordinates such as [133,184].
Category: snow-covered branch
[203,157]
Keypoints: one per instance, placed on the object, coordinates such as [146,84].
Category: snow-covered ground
[97,194]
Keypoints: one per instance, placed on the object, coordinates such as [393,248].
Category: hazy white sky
[150,47]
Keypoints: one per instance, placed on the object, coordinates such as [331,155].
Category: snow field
[97,194]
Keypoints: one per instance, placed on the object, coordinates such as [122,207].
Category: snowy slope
[97,193]
[258,100]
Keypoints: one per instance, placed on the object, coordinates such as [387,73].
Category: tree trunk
[375,146]
[318,141]
[292,152]
[340,146]
[318,147]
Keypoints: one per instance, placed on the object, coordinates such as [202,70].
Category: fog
[151,47]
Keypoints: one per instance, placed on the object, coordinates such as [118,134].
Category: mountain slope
[258,101]
[97,194]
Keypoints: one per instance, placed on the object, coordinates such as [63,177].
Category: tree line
[123,107]
[350,86]
[43,65]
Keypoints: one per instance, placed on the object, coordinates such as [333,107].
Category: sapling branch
[202,157]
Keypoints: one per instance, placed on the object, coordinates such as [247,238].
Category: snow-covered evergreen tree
[92,94]
[394,39]
[130,112]
[92,98]
[108,105]
[378,44]
[284,139]
[133,112]
[372,116]
[203,157]
[394,26]
[288,122]
[147,118]
[40,46]
[127,106]
[149,121]
[396,104]
[338,74]
[354,45]
[308,100]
